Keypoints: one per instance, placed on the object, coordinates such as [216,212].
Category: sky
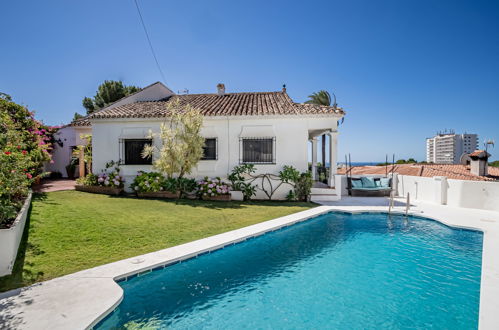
[402,70]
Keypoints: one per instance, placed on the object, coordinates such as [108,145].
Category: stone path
[54,185]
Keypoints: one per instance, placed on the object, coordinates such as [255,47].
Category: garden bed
[100,190]
[216,198]
[159,194]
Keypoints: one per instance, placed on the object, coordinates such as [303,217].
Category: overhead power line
[149,41]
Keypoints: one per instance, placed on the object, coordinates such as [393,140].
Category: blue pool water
[337,271]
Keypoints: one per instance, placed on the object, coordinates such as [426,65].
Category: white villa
[267,129]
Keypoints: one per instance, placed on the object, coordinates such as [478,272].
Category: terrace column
[81,157]
[314,158]
[333,157]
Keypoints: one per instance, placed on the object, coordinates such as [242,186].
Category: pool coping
[81,300]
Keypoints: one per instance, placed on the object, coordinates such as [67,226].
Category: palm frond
[321,97]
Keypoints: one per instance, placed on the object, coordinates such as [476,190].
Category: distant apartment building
[448,147]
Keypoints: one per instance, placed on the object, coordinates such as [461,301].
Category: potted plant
[70,170]
[213,189]
[240,189]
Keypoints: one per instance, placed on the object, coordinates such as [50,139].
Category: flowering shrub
[107,178]
[24,147]
[15,180]
[153,182]
[113,179]
[212,187]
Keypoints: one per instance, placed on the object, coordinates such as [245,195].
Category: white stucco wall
[473,194]
[419,188]
[61,156]
[458,193]
[291,133]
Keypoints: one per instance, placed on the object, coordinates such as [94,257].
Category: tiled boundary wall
[440,190]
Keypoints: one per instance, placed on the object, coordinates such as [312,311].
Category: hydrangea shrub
[110,177]
[153,182]
[212,187]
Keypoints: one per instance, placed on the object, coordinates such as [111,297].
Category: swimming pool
[337,270]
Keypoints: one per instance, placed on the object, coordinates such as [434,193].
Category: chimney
[221,89]
[479,163]
[284,88]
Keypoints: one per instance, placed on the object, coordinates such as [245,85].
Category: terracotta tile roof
[479,154]
[230,104]
[80,122]
[458,172]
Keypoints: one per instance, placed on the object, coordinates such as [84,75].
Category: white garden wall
[473,194]
[291,135]
[419,188]
[11,238]
[458,193]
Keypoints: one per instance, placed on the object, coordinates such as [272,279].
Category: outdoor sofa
[369,186]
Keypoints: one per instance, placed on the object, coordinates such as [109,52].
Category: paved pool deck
[80,300]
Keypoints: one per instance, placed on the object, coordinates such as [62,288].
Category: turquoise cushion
[367,182]
[373,188]
[385,182]
[377,183]
[356,184]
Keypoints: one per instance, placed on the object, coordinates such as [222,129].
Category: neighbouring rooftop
[81,122]
[458,171]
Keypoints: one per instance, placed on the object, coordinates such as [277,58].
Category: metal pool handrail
[390,204]
[407,204]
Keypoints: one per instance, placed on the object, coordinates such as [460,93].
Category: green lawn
[70,231]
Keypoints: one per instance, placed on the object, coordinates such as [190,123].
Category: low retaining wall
[100,190]
[482,195]
[473,194]
[11,238]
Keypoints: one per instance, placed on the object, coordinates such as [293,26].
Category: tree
[181,142]
[77,116]
[321,98]
[5,96]
[411,161]
[88,104]
[108,92]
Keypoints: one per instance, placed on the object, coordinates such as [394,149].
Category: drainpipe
[228,147]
